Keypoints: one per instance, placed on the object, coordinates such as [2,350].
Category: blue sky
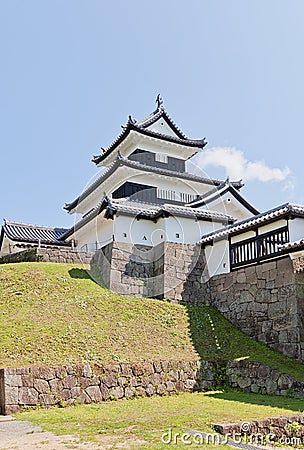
[72,71]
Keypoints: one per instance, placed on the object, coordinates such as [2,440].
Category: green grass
[140,423]
[55,314]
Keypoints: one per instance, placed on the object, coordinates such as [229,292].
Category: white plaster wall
[98,231]
[242,237]
[189,230]
[296,229]
[272,226]
[217,257]
[228,204]
[8,247]
[161,126]
[137,230]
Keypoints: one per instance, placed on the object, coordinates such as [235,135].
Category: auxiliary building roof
[287,210]
[22,232]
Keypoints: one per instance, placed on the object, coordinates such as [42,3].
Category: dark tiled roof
[144,167]
[160,112]
[147,211]
[141,127]
[295,246]
[286,210]
[33,233]
[153,211]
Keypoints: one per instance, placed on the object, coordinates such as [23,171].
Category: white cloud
[237,166]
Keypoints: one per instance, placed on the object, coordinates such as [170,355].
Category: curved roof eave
[136,165]
[199,143]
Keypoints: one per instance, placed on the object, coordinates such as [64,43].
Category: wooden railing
[258,248]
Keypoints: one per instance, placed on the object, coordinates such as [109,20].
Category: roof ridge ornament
[160,102]
[131,120]
[119,155]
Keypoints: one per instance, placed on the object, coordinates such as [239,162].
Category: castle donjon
[150,228]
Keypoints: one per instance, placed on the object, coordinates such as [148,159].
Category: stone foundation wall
[266,301]
[258,378]
[169,270]
[49,254]
[128,269]
[288,430]
[88,384]
[64,255]
[69,385]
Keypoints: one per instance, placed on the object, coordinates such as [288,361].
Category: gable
[161,126]
[229,204]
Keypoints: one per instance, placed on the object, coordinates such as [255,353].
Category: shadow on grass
[80,273]
[295,404]
[84,274]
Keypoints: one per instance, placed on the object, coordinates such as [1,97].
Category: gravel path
[23,435]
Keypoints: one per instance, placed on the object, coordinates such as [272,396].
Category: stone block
[117,392]
[69,381]
[180,386]
[150,390]
[10,409]
[11,395]
[140,391]
[126,369]
[157,367]
[129,392]
[66,394]
[138,369]
[27,381]
[115,276]
[161,389]
[42,386]
[13,380]
[94,393]
[244,382]
[109,381]
[271,386]
[87,371]
[59,371]
[56,385]
[119,288]
[75,391]
[277,310]
[105,393]
[47,399]
[28,396]
[46,373]
[122,381]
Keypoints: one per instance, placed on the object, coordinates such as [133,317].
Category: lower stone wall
[49,254]
[288,430]
[258,378]
[30,387]
[69,385]
[266,301]
[64,255]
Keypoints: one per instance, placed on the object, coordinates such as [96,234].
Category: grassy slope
[54,313]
